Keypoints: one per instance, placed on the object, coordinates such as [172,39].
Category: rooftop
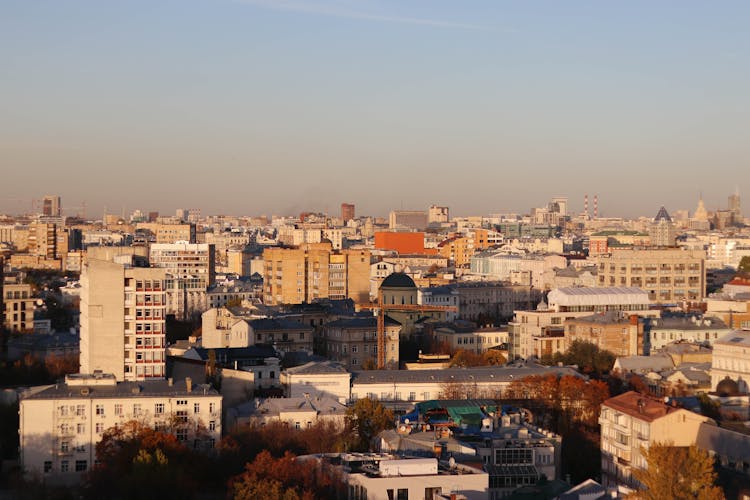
[77,387]
[639,406]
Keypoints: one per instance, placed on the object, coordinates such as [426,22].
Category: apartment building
[731,359]
[19,304]
[631,422]
[493,301]
[661,332]
[61,424]
[352,341]
[169,233]
[191,270]
[614,331]
[123,310]
[470,338]
[667,274]
[407,219]
[315,271]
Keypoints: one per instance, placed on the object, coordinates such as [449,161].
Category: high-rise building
[437,214]
[662,230]
[407,219]
[191,269]
[51,206]
[347,212]
[123,311]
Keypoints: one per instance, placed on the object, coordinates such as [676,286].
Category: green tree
[678,473]
[744,265]
[589,357]
[366,419]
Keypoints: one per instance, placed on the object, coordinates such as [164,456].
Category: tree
[677,473]
[366,419]
[744,265]
[464,358]
[494,357]
[589,357]
[369,364]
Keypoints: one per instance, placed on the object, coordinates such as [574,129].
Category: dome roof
[398,280]
[727,387]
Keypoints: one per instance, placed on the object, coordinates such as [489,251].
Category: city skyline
[254,106]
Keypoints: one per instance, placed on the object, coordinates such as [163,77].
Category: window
[212,425]
[99,427]
[81,465]
[47,466]
[80,448]
[182,435]
[181,402]
[118,408]
[64,447]
[182,416]
[80,410]
[80,428]
[159,408]
[100,410]
[137,409]
[197,408]
[64,466]
[212,407]
[402,494]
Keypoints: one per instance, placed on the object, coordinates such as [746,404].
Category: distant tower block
[596,206]
[51,206]
[347,212]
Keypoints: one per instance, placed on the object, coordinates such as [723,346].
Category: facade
[613,331]
[441,296]
[351,341]
[668,275]
[298,413]
[403,243]
[407,219]
[326,378]
[19,303]
[437,215]
[698,330]
[61,424]
[123,318]
[471,339]
[347,212]
[662,230]
[630,422]
[169,233]
[51,206]
[493,301]
[315,271]
[191,269]
[731,359]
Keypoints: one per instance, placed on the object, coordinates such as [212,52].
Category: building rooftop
[639,406]
[317,367]
[739,338]
[478,374]
[398,280]
[80,386]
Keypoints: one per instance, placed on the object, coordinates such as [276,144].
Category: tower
[347,212]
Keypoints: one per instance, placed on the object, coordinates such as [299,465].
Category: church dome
[398,280]
[727,387]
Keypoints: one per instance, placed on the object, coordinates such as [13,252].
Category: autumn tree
[366,419]
[744,265]
[494,357]
[464,358]
[677,473]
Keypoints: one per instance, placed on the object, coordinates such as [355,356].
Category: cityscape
[374,250]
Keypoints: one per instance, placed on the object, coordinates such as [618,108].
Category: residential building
[298,412]
[630,423]
[123,312]
[493,301]
[61,424]
[731,359]
[191,270]
[668,275]
[169,233]
[51,206]
[352,341]
[467,337]
[437,215]
[694,329]
[19,304]
[315,271]
[662,230]
[403,243]
[327,378]
[347,212]
[613,331]
[441,296]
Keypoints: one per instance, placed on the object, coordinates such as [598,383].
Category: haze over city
[259,106]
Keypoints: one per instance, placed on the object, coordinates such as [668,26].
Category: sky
[282,106]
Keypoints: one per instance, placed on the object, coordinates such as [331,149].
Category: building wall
[668,275]
[19,305]
[403,243]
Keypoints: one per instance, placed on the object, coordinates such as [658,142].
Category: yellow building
[18,301]
[668,275]
[314,271]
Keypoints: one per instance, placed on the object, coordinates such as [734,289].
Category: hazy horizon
[248,107]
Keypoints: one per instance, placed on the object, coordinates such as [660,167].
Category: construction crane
[380,311]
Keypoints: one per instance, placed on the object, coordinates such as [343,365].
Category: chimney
[170,381]
[189,384]
[633,319]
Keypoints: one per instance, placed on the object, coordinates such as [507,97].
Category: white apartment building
[630,422]
[123,310]
[731,358]
[61,424]
[191,269]
[698,330]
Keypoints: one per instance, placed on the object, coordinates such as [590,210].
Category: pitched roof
[662,215]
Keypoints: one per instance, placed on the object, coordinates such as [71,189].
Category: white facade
[731,358]
[61,424]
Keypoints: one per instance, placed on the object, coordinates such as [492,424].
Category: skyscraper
[51,206]
[347,212]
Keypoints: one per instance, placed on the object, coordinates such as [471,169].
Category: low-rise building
[731,359]
[298,412]
[352,341]
[61,424]
[630,423]
[613,331]
[18,300]
[700,330]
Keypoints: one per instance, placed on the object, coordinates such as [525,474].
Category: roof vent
[85,391]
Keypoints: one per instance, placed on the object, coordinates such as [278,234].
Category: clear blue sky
[276,106]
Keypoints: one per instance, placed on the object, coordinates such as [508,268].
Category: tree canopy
[366,419]
[679,473]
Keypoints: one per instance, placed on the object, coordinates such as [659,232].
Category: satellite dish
[39,302]
[406,420]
